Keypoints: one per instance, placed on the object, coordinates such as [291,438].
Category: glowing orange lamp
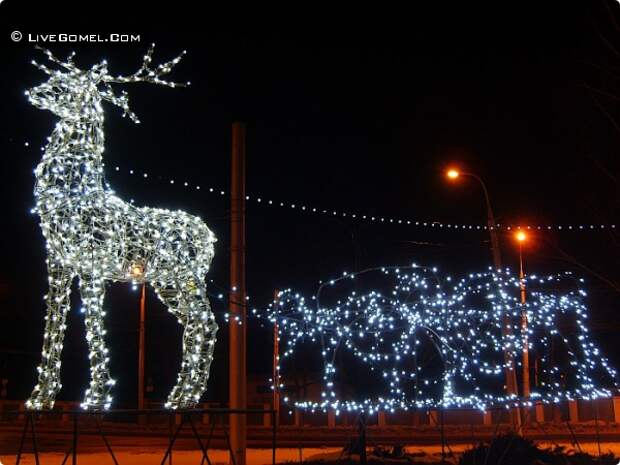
[520,236]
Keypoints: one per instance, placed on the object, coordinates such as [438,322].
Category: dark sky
[361,118]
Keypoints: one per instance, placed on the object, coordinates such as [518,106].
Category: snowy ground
[184,457]
[259,456]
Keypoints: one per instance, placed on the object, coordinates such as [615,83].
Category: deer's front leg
[58,305]
[97,397]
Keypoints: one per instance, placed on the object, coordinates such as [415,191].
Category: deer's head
[76,94]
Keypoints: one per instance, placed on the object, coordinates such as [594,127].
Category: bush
[511,449]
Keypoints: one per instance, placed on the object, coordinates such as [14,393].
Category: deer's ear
[121,101]
[41,67]
[99,71]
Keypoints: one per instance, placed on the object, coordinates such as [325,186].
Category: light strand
[302,207]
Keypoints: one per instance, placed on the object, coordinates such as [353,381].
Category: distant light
[137,270]
[452,173]
[521,236]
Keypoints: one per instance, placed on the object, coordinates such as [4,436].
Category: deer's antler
[50,56]
[121,101]
[146,74]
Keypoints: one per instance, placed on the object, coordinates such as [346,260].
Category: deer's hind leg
[188,301]
[58,301]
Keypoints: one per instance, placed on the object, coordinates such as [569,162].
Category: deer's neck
[72,163]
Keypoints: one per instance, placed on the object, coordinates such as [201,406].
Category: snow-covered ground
[183,457]
[257,456]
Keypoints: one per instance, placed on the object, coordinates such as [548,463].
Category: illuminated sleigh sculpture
[94,235]
[429,342]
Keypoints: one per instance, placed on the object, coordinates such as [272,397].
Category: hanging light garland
[94,235]
[460,322]
[301,207]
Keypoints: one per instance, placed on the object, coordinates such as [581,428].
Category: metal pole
[509,372]
[276,361]
[75,439]
[141,351]
[34,441]
[273,437]
[275,416]
[362,439]
[237,389]
[443,437]
[171,418]
[525,351]
[173,438]
[105,440]
[526,355]
[492,227]
[205,455]
[598,437]
[23,438]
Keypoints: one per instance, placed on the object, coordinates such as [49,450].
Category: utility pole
[237,389]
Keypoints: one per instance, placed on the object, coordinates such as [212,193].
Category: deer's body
[172,240]
[94,235]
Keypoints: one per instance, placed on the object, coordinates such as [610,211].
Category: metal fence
[207,427]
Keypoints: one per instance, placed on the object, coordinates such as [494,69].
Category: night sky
[361,120]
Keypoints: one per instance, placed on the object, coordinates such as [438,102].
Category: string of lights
[302,207]
[459,321]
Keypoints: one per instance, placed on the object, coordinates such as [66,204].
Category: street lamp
[521,238]
[511,378]
[453,174]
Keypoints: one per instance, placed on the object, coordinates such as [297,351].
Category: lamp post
[141,348]
[521,237]
[453,174]
[276,361]
[137,274]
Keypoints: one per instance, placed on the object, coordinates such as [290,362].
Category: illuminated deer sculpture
[95,236]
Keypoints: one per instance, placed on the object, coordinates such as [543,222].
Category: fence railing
[208,427]
[100,424]
[605,410]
